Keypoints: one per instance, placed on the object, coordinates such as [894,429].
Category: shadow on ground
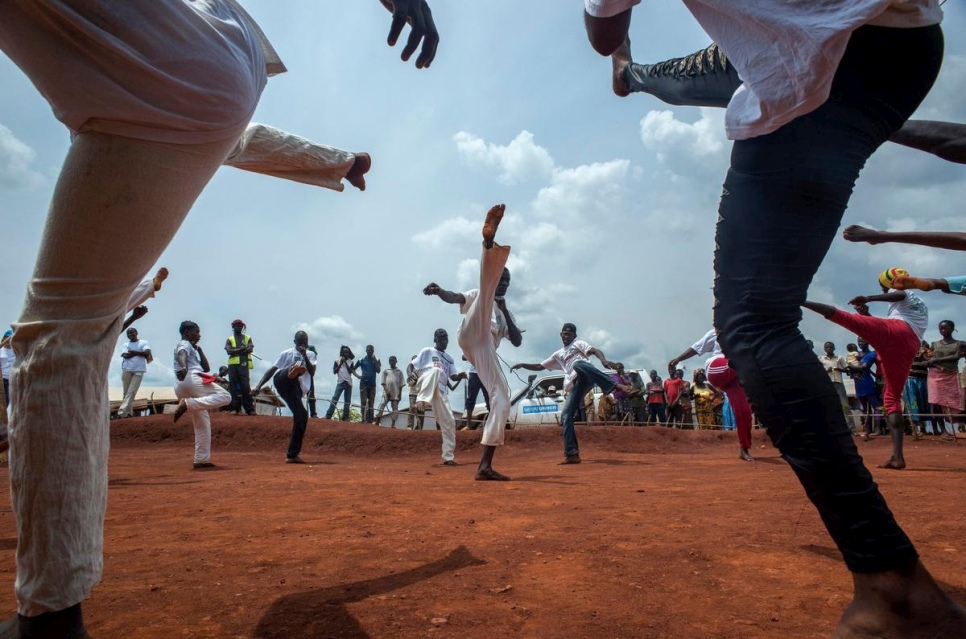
[323,613]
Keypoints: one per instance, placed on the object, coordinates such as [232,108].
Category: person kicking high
[486,321]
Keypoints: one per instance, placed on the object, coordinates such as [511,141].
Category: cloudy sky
[611,202]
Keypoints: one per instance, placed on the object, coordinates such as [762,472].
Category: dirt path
[657,534]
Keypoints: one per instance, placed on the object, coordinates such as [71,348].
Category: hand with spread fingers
[420,19]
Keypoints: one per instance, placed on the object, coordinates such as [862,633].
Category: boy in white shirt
[581,376]
[434,368]
[293,371]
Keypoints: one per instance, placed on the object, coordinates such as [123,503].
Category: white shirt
[193,361]
[291,357]
[708,344]
[565,358]
[785,51]
[7,358]
[429,357]
[343,373]
[498,324]
[392,382]
[911,310]
[138,363]
[832,363]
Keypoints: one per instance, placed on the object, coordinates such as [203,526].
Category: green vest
[236,359]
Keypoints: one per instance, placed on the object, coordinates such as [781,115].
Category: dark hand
[422,27]
[181,375]
[139,312]
[431,289]
[859,300]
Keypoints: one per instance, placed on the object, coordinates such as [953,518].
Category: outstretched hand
[420,19]
[856,233]
[859,300]
[431,289]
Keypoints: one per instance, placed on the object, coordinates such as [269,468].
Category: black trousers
[291,393]
[473,388]
[783,200]
[240,387]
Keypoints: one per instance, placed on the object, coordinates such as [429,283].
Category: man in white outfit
[486,321]
[434,368]
[149,131]
[196,390]
[135,357]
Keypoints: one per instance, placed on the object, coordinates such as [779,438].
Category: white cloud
[520,160]
[329,329]
[448,232]
[691,152]
[15,160]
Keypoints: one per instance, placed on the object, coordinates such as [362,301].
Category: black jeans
[783,200]
[240,387]
[473,388]
[290,390]
[367,397]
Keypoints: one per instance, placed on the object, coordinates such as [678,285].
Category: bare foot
[856,233]
[906,604]
[745,455]
[903,282]
[493,217]
[488,474]
[357,174]
[619,60]
[893,464]
[159,278]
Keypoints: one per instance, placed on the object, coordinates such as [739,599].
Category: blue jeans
[587,377]
[783,199]
[340,388]
[290,390]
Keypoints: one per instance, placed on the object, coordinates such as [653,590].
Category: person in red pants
[722,375]
[896,339]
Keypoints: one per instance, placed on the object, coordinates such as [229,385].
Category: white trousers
[110,191]
[476,340]
[429,393]
[201,398]
[142,293]
[131,382]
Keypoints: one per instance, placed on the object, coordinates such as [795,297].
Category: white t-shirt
[291,357]
[429,357]
[392,382]
[193,361]
[498,324]
[911,310]
[785,51]
[565,358]
[708,344]
[138,363]
[7,358]
[831,364]
[343,373]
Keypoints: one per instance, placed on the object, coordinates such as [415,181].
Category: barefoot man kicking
[486,321]
[896,339]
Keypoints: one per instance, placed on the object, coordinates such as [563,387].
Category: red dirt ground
[658,534]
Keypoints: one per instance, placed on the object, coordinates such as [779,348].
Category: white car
[540,402]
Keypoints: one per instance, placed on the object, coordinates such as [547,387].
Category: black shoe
[570,459]
[203,465]
[449,462]
[294,460]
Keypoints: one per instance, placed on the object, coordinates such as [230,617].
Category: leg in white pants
[476,340]
[131,382]
[112,192]
[201,398]
[430,393]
